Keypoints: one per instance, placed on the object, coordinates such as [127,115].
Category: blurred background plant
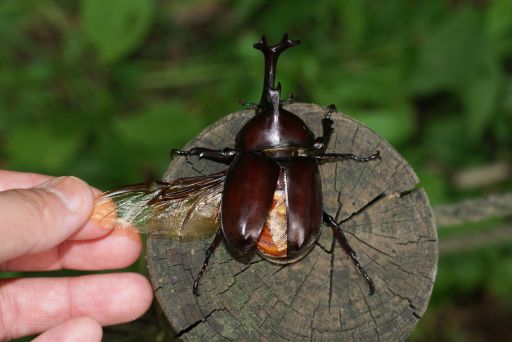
[104,89]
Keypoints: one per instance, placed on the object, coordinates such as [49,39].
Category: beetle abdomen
[293,222]
[272,240]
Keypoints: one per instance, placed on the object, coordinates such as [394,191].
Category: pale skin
[44,226]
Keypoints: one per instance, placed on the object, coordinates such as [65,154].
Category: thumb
[37,219]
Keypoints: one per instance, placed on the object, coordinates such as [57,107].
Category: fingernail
[69,190]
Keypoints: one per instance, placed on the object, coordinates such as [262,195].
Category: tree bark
[386,219]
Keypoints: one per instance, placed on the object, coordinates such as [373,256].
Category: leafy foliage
[116,27]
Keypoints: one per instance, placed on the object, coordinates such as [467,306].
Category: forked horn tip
[261,44]
[288,41]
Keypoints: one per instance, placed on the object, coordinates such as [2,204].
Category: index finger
[25,180]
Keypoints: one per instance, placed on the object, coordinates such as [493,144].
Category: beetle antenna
[290,99]
[246,104]
[271,54]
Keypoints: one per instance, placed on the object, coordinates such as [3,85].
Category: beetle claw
[195,289]
[331,109]
[175,152]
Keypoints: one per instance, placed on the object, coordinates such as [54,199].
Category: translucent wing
[185,208]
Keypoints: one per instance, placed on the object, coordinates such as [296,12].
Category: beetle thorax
[274,127]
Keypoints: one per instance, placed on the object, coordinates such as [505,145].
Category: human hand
[44,226]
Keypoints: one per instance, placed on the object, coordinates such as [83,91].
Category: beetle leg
[338,233]
[322,142]
[209,252]
[224,156]
[334,157]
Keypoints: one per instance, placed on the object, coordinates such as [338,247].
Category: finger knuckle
[35,210]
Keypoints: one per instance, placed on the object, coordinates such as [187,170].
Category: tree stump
[387,220]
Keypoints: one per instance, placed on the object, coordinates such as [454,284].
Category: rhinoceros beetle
[277,154]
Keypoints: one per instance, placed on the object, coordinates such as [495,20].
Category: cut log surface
[386,218]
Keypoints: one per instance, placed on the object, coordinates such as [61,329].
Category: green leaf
[450,52]
[384,122]
[446,137]
[162,126]
[480,100]
[355,22]
[498,20]
[188,74]
[501,278]
[434,184]
[366,86]
[116,27]
[41,149]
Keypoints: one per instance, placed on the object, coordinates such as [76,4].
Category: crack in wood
[370,312]
[384,223]
[402,269]
[195,324]
[367,244]
[417,241]
[385,236]
[279,269]
[331,270]
[323,248]
[365,207]
[404,298]
[303,282]
[399,166]
[354,138]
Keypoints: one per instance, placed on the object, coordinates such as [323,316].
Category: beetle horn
[271,54]
[275,97]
